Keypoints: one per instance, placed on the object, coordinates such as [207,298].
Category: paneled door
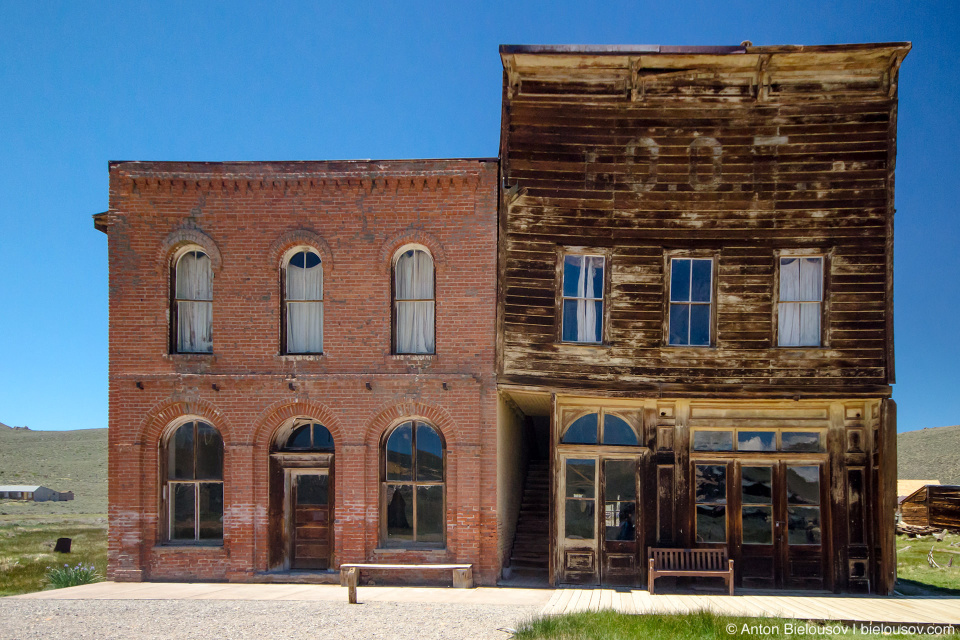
[310,511]
[598,520]
[781,524]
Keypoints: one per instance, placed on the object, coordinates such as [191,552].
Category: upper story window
[414,302]
[193,490]
[413,473]
[691,301]
[193,303]
[302,288]
[583,298]
[801,299]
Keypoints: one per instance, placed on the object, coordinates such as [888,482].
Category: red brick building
[301,366]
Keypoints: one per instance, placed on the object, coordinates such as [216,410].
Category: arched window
[193,489]
[302,286]
[413,300]
[600,428]
[413,485]
[310,436]
[192,304]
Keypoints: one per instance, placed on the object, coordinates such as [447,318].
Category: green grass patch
[609,625]
[26,551]
[915,576]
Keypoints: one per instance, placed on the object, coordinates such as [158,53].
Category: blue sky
[84,83]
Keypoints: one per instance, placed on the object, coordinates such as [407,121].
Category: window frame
[570,415]
[166,491]
[562,253]
[385,541]
[668,258]
[826,259]
[288,255]
[394,322]
[173,337]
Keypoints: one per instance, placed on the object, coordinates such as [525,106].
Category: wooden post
[463,578]
[352,578]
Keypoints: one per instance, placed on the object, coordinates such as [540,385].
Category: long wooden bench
[690,562]
[350,574]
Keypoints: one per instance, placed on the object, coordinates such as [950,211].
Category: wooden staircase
[531,543]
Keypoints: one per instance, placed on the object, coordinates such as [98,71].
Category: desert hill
[930,453]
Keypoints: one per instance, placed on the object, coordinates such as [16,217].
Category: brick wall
[246,216]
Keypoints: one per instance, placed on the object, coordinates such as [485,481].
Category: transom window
[311,436]
[801,298]
[691,301]
[582,301]
[600,428]
[414,302]
[194,483]
[747,439]
[193,303]
[303,303]
[413,485]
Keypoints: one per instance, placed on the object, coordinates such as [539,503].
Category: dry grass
[26,551]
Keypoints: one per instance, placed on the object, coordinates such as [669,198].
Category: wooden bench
[690,562]
[350,574]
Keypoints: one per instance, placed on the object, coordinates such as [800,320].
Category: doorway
[309,512]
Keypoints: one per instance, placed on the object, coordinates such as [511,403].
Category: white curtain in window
[413,288]
[194,296]
[587,310]
[811,282]
[801,282]
[304,297]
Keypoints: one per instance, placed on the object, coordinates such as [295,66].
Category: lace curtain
[194,296]
[413,287]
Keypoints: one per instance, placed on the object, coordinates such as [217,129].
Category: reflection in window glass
[710,490]
[580,478]
[803,525]
[211,511]
[583,430]
[711,483]
[194,491]
[580,499]
[713,440]
[312,490]
[582,298]
[800,441]
[414,491]
[209,453]
[616,431]
[400,453]
[620,495]
[711,523]
[300,438]
[691,286]
[755,485]
[757,524]
[183,516]
[400,512]
[803,485]
[429,454]
[756,441]
[430,513]
[579,520]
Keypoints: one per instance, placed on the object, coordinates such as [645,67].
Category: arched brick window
[414,301]
[413,476]
[191,310]
[302,309]
[193,483]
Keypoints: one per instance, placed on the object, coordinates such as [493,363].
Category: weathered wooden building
[695,306]
[932,506]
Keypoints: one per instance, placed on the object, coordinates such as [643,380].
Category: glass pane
[594,265]
[811,279]
[582,431]
[617,431]
[300,438]
[803,485]
[579,520]
[800,441]
[429,454]
[711,523]
[209,453]
[789,279]
[571,275]
[757,525]
[580,478]
[414,276]
[803,525]
[312,490]
[788,324]
[809,324]
[430,513]
[322,440]
[570,324]
[620,495]
[700,292]
[194,327]
[183,516]
[305,327]
[400,453]
[711,483]
[400,512]
[756,441]
[180,461]
[679,324]
[679,280]
[310,259]
[713,440]
[211,511]
[755,485]
[700,324]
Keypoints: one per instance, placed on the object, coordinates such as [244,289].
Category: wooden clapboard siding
[807,140]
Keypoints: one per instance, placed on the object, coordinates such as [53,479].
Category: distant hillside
[930,453]
[62,460]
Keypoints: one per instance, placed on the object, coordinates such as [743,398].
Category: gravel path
[255,620]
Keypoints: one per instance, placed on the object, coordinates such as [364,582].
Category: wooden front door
[781,524]
[598,520]
[310,505]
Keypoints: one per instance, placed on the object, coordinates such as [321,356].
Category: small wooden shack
[36,493]
[932,506]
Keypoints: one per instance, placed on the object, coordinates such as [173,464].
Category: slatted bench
[350,574]
[690,562]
